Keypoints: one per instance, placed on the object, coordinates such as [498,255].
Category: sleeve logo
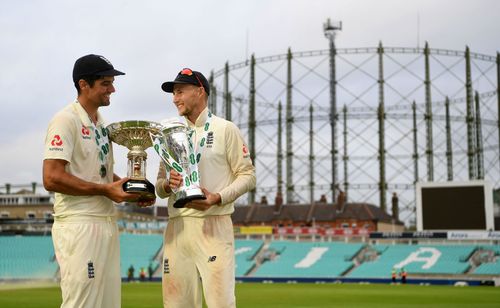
[56,141]
[246,153]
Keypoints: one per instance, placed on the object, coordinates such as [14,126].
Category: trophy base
[143,188]
[184,196]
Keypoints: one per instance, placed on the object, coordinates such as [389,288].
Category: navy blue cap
[93,65]
[187,76]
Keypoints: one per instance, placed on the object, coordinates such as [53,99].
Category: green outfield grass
[251,295]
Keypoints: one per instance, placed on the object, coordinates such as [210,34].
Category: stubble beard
[182,111]
[106,101]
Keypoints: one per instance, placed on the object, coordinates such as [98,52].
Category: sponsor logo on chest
[85,132]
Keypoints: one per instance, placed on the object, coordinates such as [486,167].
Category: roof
[258,213]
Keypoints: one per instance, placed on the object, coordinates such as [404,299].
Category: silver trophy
[176,150]
[135,136]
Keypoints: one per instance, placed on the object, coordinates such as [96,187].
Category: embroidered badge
[210,139]
[166,268]
[90,269]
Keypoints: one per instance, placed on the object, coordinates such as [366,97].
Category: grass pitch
[250,295]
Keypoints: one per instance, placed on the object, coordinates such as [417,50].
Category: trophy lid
[133,133]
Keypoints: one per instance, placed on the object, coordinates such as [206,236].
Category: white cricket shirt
[71,137]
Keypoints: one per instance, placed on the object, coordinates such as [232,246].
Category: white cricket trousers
[88,252]
[199,253]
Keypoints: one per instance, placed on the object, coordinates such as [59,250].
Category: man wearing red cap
[78,167]
[199,241]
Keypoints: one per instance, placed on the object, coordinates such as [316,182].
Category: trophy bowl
[135,136]
[176,142]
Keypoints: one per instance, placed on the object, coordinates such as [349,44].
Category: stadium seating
[244,252]
[27,257]
[156,226]
[32,257]
[139,250]
[417,259]
[297,259]
[490,268]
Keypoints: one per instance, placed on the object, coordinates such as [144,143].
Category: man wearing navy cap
[199,241]
[78,167]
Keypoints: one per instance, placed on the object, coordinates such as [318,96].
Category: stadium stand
[489,261]
[32,257]
[145,226]
[299,259]
[245,251]
[489,268]
[139,250]
[416,259]
[27,257]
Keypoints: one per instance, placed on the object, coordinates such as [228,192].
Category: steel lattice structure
[373,120]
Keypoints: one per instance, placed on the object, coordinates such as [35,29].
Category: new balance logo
[212,259]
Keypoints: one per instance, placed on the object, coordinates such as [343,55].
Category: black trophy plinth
[143,188]
[178,204]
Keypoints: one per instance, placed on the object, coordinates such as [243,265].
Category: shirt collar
[201,120]
[84,117]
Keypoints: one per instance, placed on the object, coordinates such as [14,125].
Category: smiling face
[189,100]
[91,97]
[100,93]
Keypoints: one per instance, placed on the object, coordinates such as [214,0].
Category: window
[30,215]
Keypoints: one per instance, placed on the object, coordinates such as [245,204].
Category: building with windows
[26,204]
